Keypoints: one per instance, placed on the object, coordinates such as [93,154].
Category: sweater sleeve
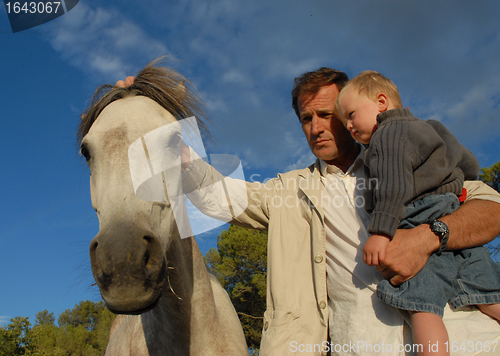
[390,160]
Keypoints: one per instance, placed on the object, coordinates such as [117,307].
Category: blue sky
[242,58]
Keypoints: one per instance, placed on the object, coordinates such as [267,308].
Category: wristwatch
[440,229]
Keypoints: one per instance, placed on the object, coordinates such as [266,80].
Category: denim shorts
[462,277]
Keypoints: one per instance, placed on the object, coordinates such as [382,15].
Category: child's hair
[372,83]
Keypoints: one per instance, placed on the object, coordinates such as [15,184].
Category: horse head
[129,254]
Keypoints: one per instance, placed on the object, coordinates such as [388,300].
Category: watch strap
[441,230]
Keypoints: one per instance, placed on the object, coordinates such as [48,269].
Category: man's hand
[128,82]
[374,249]
[407,253]
[475,223]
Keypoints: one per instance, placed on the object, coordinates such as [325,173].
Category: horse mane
[164,85]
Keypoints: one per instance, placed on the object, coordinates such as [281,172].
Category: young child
[420,168]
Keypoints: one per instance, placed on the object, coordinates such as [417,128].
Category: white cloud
[234,76]
[4,319]
[298,150]
[102,41]
[302,162]
[243,56]
[214,103]
[475,107]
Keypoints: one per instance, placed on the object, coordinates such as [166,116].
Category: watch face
[439,227]
[441,230]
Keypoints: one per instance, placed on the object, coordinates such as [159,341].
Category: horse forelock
[165,86]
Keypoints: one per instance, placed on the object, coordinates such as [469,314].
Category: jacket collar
[310,179]
[310,184]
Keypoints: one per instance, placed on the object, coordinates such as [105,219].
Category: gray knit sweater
[411,158]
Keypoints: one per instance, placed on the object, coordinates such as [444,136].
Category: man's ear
[382,102]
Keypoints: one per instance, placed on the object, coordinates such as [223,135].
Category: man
[315,111]
[313,99]
[318,288]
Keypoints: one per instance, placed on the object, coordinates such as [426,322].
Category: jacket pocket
[280,328]
[279,318]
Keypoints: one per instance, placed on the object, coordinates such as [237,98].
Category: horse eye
[85,152]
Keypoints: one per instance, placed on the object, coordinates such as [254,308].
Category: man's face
[358,113]
[327,137]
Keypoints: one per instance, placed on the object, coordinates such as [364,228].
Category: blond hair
[372,83]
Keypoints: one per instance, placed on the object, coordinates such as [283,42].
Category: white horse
[170,304]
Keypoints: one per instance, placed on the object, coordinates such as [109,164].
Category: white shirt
[351,283]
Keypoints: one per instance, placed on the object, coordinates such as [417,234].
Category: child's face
[359,115]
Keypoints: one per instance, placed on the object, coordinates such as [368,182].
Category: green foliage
[15,338]
[82,331]
[491,176]
[86,314]
[240,265]
[45,318]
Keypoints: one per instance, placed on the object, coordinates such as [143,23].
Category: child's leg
[428,329]
[492,310]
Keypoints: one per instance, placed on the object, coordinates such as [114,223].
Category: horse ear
[181,88]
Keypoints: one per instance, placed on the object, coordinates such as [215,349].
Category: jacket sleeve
[481,191]
[230,200]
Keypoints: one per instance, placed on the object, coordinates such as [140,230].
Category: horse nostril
[146,256]
[153,257]
[93,246]
[94,261]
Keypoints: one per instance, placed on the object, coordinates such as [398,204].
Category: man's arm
[224,198]
[475,223]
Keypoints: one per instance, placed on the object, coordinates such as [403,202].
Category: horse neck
[188,280]
[187,306]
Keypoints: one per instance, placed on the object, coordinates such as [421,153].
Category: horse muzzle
[129,267]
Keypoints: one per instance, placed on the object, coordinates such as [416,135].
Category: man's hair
[372,83]
[311,82]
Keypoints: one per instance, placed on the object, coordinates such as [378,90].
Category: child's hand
[374,250]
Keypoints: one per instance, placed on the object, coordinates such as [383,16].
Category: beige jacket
[289,208]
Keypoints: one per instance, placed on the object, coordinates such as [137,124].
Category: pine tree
[491,176]
[240,265]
